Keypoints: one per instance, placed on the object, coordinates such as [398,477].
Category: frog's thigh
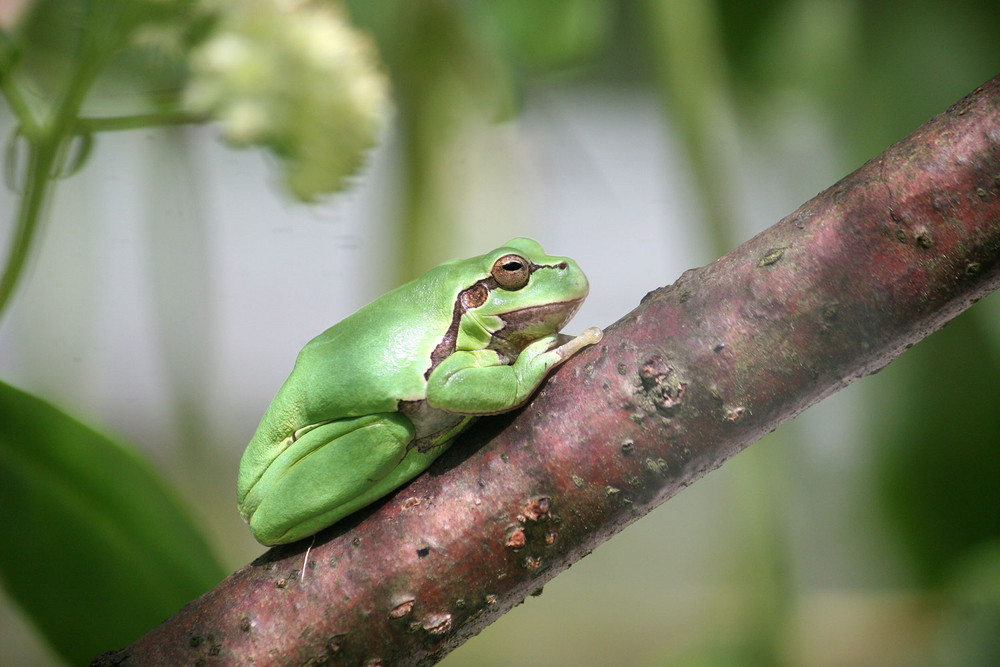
[330,465]
[414,463]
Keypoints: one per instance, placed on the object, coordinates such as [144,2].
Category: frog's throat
[557,314]
[521,327]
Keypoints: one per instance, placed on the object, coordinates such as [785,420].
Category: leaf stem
[46,136]
[9,87]
[41,158]
[17,103]
[137,121]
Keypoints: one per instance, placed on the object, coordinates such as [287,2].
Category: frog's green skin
[376,398]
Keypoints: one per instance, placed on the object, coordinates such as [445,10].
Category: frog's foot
[572,345]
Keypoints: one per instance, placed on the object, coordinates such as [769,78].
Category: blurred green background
[175,279]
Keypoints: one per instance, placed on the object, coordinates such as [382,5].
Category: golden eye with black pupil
[511,272]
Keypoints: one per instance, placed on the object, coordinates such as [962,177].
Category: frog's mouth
[522,326]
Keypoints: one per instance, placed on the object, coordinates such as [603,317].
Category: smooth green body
[373,400]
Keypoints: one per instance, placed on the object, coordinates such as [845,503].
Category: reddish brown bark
[697,372]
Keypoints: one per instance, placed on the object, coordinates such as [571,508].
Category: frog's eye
[511,272]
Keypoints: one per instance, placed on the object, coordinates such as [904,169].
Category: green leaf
[92,544]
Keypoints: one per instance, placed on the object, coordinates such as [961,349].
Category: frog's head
[523,295]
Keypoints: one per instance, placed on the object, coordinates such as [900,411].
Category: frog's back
[365,364]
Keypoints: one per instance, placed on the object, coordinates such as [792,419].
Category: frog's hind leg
[414,463]
[323,476]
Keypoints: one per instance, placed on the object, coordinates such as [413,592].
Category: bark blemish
[662,385]
[734,413]
[537,508]
[771,257]
[516,538]
[401,609]
[657,466]
[438,623]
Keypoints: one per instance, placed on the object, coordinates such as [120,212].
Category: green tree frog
[373,400]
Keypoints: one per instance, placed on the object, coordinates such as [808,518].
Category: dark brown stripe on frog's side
[446,347]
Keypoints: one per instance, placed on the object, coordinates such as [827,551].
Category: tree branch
[698,371]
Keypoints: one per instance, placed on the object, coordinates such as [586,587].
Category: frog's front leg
[570,345]
[327,473]
[479,383]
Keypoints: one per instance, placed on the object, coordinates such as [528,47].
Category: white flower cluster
[294,77]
